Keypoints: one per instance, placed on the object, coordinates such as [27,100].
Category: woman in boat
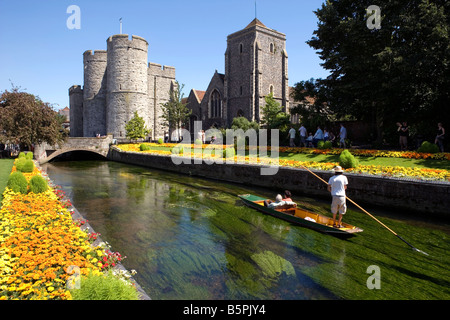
[337,186]
[287,196]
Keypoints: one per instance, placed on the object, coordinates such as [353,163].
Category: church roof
[255,22]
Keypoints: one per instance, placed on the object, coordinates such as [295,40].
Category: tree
[27,120]
[135,128]
[174,112]
[273,115]
[244,124]
[312,105]
[400,72]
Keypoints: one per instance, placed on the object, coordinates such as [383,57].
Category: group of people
[337,186]
[311,141]
[403,131]
[8,150]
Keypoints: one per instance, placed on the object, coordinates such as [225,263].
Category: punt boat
[300,217]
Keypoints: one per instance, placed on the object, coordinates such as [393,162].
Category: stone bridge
[44,152]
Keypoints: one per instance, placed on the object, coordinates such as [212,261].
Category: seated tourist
[287,196]
[273,204]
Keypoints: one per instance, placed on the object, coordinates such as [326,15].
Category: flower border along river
[41,246]
[376,170]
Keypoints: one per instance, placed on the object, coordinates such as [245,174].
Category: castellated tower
[255,65]
[126,81]
[118,82]
[94,93]
[76,111]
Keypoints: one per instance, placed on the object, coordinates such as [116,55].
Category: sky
[41,55]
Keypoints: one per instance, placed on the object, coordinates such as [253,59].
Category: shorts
[338,204]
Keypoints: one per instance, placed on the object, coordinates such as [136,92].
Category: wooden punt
[301,217]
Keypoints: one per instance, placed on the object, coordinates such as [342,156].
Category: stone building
[118,82]
[256,64]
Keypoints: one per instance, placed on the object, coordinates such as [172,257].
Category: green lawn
[381,161]
[5,170]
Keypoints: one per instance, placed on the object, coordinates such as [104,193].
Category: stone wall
[424,198]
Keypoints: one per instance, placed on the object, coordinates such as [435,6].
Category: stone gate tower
[118,82]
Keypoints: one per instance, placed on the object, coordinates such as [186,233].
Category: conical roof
[255,22]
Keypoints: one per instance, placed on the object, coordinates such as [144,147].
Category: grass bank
[5,170]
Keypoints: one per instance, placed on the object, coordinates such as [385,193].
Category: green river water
[191,238]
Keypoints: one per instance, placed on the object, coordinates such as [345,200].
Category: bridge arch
[100,146]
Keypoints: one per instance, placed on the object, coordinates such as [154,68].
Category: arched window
[215,105]
[271,89]
[240,113]
[271,48]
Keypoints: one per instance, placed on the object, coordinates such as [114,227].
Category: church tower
[255,65]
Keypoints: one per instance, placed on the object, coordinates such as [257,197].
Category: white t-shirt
[302,131]
[292,133]
[337,183]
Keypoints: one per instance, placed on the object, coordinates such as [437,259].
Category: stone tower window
[271,89]
[241,90]
[271,48]
[241,48]
[215,105]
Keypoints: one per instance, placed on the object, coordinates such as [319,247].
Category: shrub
[229,152]
[22,155]
[29,155]
[347,160]
[17,182]
[160,141]
[25,165]
[177,150]
[144,147]
[38,184]
[327,145]
[428,147]
[198,141]
[104,287]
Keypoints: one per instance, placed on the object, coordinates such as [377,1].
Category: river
[191,238]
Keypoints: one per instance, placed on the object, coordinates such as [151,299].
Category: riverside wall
[408,196]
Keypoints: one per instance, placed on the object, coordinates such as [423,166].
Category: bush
[21,155]
[25,165]
[144,147]
[177,150]
[428,147]
[347,160]
[198,141]
[160,141]
[29,155]
[328,145]
[17,182]
[104,287]
[38,184]
[229,152]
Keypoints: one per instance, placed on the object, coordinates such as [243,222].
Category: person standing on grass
[337,186]
[403,132]
[303,133]
[440,137]
[291,137]
[342,136]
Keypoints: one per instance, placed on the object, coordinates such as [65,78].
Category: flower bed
[41,246]
[387,171]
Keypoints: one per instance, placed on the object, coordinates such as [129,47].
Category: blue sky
[42,56]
